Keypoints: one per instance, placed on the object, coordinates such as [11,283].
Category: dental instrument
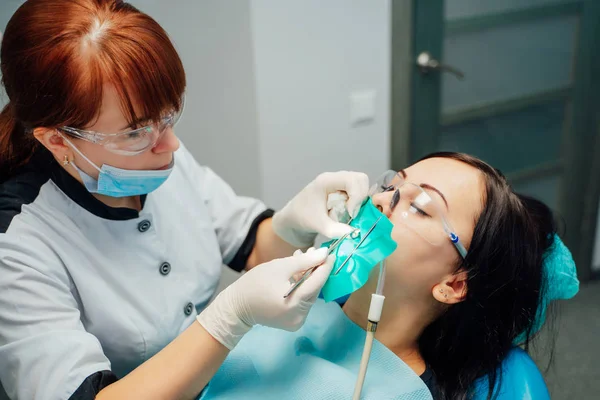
[308,272]
[357,246]
[375,308]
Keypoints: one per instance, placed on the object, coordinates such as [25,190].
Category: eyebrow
[427,186]
[133,125]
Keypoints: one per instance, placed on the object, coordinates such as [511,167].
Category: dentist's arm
[184,367]
[179,371]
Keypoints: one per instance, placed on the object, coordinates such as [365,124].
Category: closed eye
[419,211]
[395,200]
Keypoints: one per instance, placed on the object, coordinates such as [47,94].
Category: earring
[445,296]
[66,160]
[441,290]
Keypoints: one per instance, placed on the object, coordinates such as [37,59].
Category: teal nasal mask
[358,253]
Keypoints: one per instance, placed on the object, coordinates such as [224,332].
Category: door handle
[427,63]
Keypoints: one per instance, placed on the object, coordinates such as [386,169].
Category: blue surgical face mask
[117,182]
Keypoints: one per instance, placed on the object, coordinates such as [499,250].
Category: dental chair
[521,380]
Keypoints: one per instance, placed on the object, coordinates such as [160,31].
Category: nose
[383,202]
[168,142]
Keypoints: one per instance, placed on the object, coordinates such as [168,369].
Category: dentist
[112,235]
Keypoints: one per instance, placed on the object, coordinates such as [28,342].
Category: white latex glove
[336,204]
[306,215]
[257,298]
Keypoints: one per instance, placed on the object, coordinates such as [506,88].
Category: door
[510,82]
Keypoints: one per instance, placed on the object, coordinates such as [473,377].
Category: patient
[447,320]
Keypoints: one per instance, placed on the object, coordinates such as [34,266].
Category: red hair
[56,57]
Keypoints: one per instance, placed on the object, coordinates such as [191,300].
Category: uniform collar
[80,195]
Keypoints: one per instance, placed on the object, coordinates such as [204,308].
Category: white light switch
[362,107]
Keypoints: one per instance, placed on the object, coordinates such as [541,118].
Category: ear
[452,289]
[53,141]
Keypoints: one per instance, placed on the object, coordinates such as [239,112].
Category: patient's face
[417,265]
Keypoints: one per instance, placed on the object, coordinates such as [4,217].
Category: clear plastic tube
[381,279]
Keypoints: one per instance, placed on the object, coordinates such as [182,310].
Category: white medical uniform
[89,292]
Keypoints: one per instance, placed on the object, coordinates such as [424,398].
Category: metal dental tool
[357,246]
[308,272]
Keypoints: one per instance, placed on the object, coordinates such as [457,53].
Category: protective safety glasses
[128,143]
[421,211]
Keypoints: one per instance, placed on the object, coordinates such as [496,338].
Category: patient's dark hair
[505,284]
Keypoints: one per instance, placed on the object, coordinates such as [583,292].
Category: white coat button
[189,307]
[144,225]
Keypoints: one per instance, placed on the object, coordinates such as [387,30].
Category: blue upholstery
[521,380]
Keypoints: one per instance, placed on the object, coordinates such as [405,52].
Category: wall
[219,125]
[310,55]
[7,9]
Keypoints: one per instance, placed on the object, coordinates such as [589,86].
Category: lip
[164,167]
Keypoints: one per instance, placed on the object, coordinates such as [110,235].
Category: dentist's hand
[306,215]
[257,298]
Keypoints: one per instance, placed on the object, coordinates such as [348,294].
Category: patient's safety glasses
[131,142]
[419,207]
